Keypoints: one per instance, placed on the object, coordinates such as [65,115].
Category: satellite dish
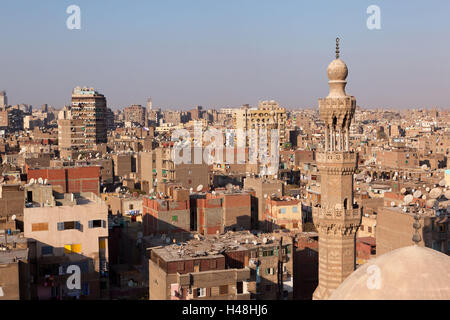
[403,191]
[45,181]
[442,183]
[13,218]
[40,181]
[264,240]
[104,189]
[427,189]
[447,194]
[392,204]
[200,188]
[191,190]
[424,197]
[369,180]
[152,190]
[80,156]
[435,193]
[424,167]
[431,203]
[31,180]
[408,199]
[417,194]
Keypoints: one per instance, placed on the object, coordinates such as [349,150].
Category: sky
[225,53]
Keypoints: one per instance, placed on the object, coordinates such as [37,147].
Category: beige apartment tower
[90,106]
[337,219]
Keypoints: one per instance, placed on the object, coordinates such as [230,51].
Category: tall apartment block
[3,99]
[268,115]
[89,107]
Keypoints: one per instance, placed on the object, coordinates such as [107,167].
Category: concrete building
[394,229]
[263,188]
[69,229]
[167,216]
[232,266]
[268,115]
[90,106]
[136,114]
[284,213]
[69,179]
[3,100]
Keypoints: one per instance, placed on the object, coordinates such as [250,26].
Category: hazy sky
[219,53]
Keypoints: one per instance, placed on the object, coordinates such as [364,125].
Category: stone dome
[337,70]
[409,273]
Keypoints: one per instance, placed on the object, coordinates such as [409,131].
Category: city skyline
[224,55]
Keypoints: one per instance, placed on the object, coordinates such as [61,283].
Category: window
[174,218]
[294,209]
[47,250]
[180,266]
[223,289]
[131,207]
[69,225]
[39,227]
[201,292]
[72,248]
[239,287]
[268,253]
[441,227]
[270,271]
[283,210]
[362,227]
[97,224]
[213,264]
[370,229]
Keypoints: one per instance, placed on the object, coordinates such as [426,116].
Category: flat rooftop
[213,246]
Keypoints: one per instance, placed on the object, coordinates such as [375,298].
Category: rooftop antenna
[337,48]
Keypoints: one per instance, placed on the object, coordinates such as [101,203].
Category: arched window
[345,204]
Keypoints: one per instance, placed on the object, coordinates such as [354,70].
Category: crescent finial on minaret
[337,48]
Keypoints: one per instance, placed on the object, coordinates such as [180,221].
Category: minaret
[338,218]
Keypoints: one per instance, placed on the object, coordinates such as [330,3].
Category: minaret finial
[416,237]
[337,48]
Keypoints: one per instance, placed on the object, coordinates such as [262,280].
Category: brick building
[70,179]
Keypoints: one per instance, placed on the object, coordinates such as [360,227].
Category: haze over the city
[224,53]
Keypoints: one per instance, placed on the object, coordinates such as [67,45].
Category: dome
[337,70]
[409,273]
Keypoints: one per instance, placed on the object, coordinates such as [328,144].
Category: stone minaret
[338,218]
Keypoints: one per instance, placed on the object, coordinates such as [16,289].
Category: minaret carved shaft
[338,218]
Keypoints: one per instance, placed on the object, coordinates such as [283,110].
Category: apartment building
[69,229]
[232,266]
[284,213]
